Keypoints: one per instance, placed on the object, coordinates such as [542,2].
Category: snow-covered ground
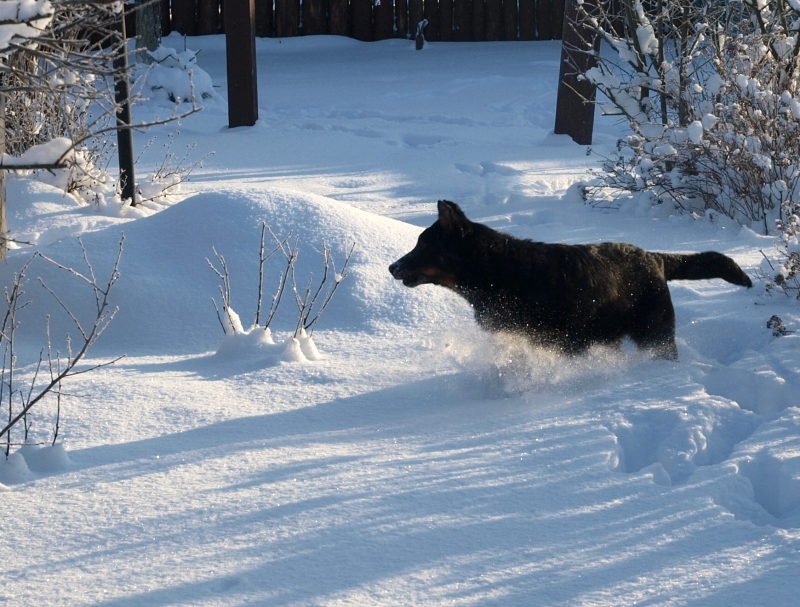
[418,461]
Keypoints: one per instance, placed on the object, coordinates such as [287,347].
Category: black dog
[565,297]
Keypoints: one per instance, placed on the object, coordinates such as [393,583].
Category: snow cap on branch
[22,20]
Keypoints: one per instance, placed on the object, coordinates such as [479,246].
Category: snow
[399,456]
[51,153]
[21,20]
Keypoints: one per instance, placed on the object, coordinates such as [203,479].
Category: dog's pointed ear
[451,216]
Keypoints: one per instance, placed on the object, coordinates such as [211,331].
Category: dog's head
[439,253]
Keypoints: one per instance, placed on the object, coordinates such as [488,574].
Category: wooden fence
[448,20]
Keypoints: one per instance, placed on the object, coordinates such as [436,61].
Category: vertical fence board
[544,20]
[462,20]
[431,12]
[361,19]
[287,18]
[339,18]
[184,17]
[558,18]
[510,19]
[527,19]
[494,20]
[478,20]
[315,21]
[383,16]
[446,20]
[166,18]
[208,21]
[401,18]
[415,15]
[264,19]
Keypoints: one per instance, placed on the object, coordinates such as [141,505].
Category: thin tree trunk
[3,226]
[148,29]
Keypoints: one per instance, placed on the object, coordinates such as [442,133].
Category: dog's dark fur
[566,297]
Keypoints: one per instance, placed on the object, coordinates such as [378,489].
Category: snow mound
[31,460]
[164,269]
[257,344]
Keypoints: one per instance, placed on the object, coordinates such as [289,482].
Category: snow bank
[163,268]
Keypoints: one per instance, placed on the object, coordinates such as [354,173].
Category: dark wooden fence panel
[265,19]
[208,17]
[527,19]
[446,20]
[494,20]
[383,19]
[431,12]
[415,15]
[479,20]
[462,20]
[361,19]
[456,20]
[338,17]
[287,18]
[544,21]
[510,19]
[315,18]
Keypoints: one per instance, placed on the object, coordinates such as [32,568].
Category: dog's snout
[395,268]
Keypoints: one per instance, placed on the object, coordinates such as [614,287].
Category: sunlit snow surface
[417,461]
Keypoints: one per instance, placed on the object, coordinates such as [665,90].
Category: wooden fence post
[575,103]
[240,51]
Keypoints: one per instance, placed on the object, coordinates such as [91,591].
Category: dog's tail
[700,266]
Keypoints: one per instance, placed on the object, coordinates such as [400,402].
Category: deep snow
[419,461]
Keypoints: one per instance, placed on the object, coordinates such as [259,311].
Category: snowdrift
[165,290]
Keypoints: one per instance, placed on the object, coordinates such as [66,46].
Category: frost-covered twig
[281,245]
[308,321]
[224,291]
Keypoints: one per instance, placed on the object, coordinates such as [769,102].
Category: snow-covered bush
[174,77]
[60,101]
[712,96]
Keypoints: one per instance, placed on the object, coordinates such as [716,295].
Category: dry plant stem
[7,333]
[306,303]
[224,289]
[329,263]
[290,255]
[53,375]
[281,246]
[89,336]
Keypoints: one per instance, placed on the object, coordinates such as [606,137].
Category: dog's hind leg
[654,326]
